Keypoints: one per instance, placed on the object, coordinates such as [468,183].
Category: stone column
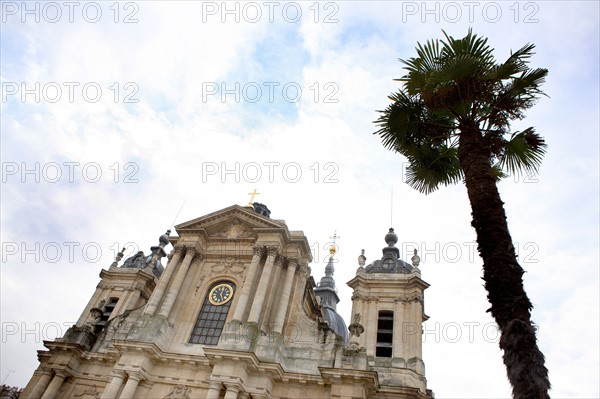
[285,295]
[371,327]
[357,301]
[419,321]
[269,306]
[41,385]
[177,282]
[166,277]
[263,285]
[415,342]
[399,338]
[131,386]
[112,389]
[244,294]
[414,329]
[214,390]
[52,390]
[232,391]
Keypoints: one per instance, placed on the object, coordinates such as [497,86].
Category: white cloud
[173,132]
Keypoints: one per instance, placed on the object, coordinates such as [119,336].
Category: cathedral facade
[236,314]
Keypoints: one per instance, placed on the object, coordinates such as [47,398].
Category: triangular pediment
[232,222]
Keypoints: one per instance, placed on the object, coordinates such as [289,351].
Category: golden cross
[335,236]
[252,198]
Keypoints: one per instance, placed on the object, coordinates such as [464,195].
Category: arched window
[385,333]
[213,314]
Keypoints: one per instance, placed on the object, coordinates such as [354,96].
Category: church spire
[326,288]
[327,292]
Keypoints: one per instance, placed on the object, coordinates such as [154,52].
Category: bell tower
[387,313]
[121,291]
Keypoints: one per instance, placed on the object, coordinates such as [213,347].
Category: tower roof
[390,262]
[140,260]
[327,291]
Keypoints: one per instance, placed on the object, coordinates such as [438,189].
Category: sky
[121,119]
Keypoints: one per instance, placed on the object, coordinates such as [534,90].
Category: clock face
[221,294]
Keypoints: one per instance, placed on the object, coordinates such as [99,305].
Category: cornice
[396,280]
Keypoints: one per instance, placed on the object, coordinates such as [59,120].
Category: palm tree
[451,121]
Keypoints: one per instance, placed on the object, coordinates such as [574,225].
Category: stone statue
[95,315]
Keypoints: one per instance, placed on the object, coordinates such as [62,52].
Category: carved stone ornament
[259,250]
[358,297]
[229,268]
[272,251]
[354,349]
[178,249]
[303,271]
[87,392]
[94,317]
[179,392]
[235,229]
[414,297]
[356,328]
[191,251]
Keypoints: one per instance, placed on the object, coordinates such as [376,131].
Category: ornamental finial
[118,257]
[416,260]
[332,248]
[362,258]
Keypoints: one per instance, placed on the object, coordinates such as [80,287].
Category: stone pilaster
[171,295]
[263,284]
[371,326]
[285,295]
[160,289]
[399,339]
[244,294]
[275,283]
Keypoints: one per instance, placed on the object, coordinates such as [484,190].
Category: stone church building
[236,314]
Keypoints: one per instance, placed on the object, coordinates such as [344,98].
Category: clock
[220,294]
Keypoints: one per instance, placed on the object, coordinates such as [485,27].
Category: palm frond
[523,152]
[406,125]
[432,168]
[497,172]
[470,44]
[457,68]
[529,82]
[455,83]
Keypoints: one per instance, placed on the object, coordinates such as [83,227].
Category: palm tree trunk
[502,274]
